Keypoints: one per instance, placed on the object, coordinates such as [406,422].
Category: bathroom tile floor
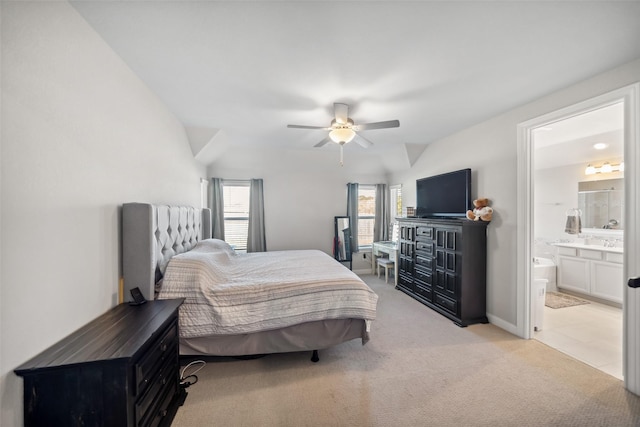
[591,333]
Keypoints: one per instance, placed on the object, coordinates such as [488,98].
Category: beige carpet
[560,300]
[419,369]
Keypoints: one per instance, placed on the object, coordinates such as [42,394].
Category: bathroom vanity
[594,270]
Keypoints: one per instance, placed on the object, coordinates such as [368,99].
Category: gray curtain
[216,203]
[352,213]
[256,241]
[381,222]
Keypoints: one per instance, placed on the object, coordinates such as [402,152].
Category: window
[236,213]
[395,200]
[366,214]
[204,192]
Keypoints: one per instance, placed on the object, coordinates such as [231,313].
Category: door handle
[634,282]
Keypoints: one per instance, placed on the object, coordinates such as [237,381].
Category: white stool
[387,264]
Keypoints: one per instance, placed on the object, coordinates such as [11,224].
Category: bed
[240,304]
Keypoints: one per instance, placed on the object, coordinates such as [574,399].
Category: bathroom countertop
[601,248]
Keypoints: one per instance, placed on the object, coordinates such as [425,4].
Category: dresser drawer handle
[163,413]
[163,347]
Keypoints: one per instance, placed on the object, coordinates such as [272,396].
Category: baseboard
[509,327]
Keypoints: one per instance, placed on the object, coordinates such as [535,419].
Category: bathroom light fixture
[600,146]
[605,168]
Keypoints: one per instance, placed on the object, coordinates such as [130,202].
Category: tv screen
[446,195]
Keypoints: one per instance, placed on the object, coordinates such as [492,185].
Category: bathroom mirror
[602,204]
[342,239]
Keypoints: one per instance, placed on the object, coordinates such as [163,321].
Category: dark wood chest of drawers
[442,263]
[121,369]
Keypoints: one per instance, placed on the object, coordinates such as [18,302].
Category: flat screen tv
[444,196]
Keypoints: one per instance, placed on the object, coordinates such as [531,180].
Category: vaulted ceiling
[236,73]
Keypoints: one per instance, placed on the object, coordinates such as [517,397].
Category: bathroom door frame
[630,96]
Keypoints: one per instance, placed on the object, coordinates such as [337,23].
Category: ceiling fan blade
[323,142]
[362,141]
[341,111]
[377,125]
[308,127]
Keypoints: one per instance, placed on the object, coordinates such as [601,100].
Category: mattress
[233,294]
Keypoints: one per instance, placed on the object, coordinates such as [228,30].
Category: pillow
[214,245]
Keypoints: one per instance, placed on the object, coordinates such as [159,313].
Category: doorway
[630,98]
[578,174]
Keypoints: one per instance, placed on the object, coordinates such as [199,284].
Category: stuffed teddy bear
[481,211]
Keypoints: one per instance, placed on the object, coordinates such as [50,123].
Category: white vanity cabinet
[596,272]
[573,274]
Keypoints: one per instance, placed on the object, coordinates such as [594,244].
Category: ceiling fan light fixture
[341,134]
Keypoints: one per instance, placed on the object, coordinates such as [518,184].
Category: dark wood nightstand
[121,369]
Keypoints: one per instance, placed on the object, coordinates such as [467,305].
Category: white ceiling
[571,141]
[247,69]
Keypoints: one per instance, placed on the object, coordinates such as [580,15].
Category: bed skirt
[316,335]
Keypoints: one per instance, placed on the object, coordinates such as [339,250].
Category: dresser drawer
[426,232]
[423,276]
[426,263]
[424,291]
[147,367]
[158,414]
[424,248]
[405,281]
[448,304]
[166,378]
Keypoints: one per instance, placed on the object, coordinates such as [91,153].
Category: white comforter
[229,293]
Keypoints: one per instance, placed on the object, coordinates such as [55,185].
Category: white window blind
[366,214]
[236,213]
[395,200]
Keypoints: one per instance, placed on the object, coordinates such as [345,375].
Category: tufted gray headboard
[151,235]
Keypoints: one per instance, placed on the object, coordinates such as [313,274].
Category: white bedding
[229,293]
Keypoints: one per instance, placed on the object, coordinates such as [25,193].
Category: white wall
[490,150]
[303,191]
[81,134]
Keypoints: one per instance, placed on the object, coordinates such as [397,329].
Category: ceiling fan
[343,129]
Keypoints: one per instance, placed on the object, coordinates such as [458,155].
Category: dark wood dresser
[121,369]
[443,264]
